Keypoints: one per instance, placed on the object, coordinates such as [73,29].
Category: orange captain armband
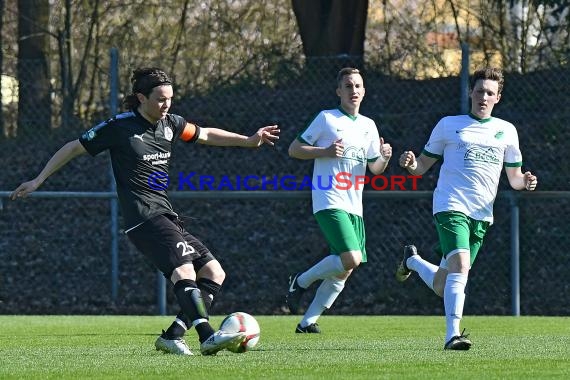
[190,132]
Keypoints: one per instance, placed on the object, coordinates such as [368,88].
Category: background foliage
[238,65]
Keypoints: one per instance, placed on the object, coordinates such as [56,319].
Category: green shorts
[343,231]
[457,231]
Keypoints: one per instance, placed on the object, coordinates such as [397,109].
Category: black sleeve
[187,132]
[98,138]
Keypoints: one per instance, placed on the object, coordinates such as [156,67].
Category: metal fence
[79,274]
[64,244]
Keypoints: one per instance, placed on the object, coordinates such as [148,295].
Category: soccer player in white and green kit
[474,148]
[342,144]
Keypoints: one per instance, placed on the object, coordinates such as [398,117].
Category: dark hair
[143,81]
[345,71]
[491,73]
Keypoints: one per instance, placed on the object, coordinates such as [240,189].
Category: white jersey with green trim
[361,144]
[474,152]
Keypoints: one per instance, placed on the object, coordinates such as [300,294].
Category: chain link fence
[55,252]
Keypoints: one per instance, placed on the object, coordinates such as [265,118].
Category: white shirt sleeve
[436,142]
[313,132]
[513,153]
[374,147]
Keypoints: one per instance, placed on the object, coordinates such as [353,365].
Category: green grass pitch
[350,347]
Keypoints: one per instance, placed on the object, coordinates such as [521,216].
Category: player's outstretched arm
[220,137]
[521,181]
[65,154]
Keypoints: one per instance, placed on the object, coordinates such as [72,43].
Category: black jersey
[140,151]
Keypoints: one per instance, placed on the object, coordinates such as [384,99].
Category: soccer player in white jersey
[474,148]
[342,143]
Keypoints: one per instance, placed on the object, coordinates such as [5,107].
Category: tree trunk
[331,27]
[34,103]
[332,31]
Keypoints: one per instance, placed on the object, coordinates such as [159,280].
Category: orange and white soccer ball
[242,322]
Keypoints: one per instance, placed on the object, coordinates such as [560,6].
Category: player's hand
[336,149]
[407,159]
[530,181]
[385,150]
[266,135]
[24,189]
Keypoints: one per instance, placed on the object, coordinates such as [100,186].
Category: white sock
[330,266]
[425,269]
[181,323]
[453,301]
[325,296]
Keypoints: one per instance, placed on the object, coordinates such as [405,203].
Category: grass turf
[350,347]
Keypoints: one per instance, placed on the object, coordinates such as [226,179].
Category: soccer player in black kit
[140,143]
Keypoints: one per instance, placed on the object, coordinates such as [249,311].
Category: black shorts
[165,242]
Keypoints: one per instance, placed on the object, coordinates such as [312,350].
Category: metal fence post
[464,78]
[161,293]
[515,254]
[113,107]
